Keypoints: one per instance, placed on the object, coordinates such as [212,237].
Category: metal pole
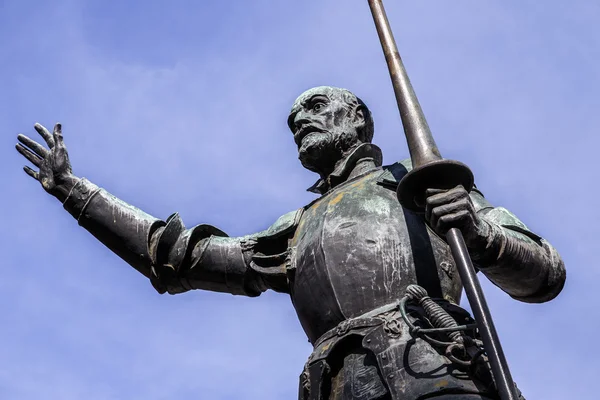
[485,325]
[430,170]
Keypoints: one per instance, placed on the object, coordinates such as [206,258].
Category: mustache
[305,131]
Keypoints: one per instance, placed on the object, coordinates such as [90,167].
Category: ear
[359,118]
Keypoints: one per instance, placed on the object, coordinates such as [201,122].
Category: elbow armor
[171,250]
[541,274]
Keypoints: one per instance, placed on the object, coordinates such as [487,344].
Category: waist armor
[376,357]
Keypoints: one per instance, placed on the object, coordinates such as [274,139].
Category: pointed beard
[320,151]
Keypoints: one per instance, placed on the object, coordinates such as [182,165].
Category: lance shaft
[430,170]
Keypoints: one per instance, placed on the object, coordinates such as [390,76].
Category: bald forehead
[332,93]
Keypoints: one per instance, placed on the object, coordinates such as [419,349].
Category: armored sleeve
[515,259]
[174,258]
[202,257]
[121,227]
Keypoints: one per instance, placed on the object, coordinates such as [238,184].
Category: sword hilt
[437,315]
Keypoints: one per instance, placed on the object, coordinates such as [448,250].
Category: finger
[446,196]
[29,155]
[45,134]
[459,220]
[33,145]
[429,203]
[446,209]
[31,173]
[435,213]
[57,133]
[431,192]
[436,198]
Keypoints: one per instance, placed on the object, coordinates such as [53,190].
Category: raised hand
[54,169]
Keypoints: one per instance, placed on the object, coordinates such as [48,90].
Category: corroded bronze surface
[353,250]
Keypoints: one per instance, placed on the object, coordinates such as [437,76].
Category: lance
[430,170]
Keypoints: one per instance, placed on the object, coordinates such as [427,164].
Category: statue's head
[327,124]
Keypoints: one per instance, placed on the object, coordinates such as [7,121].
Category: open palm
[54,169]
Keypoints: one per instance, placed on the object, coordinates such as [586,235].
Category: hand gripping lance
[430,170]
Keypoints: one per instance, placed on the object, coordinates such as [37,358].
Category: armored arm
[518,261]
[124,229]
[174,258]
[515,259]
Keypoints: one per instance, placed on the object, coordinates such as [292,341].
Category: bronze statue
[345,259]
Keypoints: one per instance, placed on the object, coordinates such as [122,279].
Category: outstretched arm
[174,258]
[518,261]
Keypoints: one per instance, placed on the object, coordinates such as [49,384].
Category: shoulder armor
[406,163]
[284,224]
[480,202]
[270,254]
[501,216]
[392,174]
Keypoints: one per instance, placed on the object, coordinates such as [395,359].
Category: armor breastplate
[356,249]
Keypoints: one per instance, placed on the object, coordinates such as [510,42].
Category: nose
[300,119]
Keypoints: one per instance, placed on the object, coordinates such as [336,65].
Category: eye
[318,106]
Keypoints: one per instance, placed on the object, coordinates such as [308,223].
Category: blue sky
[181,106]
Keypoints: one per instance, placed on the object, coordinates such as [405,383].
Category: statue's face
[325,127]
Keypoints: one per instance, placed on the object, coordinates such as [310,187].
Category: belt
[368,319]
